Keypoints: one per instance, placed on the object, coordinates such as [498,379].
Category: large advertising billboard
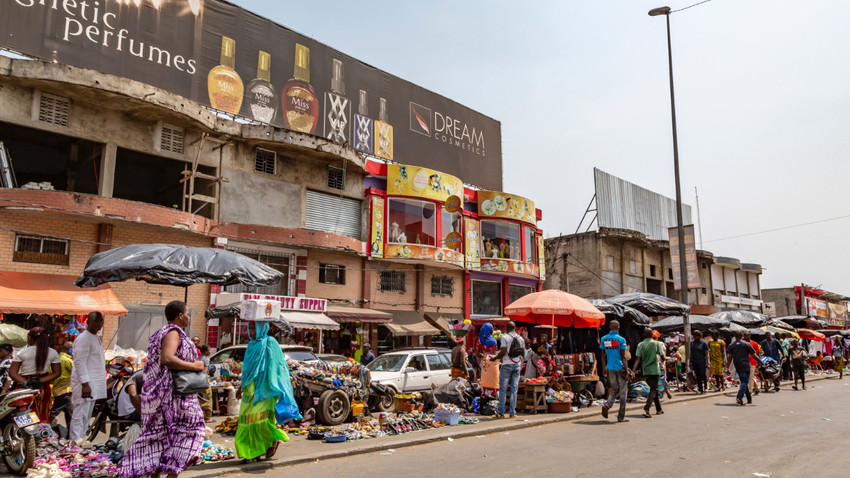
[220,55]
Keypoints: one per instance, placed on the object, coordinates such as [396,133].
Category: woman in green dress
[267,397]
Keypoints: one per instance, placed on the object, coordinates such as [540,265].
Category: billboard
[623,205]
[690,258]
[225,57]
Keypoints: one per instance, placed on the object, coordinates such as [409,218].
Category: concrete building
[829,307]
[610,262]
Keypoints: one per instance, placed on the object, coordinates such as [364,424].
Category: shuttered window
[54,109]
[329,213]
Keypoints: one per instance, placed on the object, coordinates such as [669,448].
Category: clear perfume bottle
[337,107]
[363,126]
[299,102]
[262,99]
[224,85]
[383,133]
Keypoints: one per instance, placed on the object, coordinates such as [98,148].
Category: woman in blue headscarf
[267,397]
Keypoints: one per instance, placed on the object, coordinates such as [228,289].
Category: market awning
[28,293]
[341,313]
[441,320]
[408,322]
[309,320]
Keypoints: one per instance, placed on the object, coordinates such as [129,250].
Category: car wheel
[334,407]
[384,403]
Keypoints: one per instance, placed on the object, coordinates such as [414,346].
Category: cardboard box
[265,310]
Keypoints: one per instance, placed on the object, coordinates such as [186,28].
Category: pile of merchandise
[74,462]
[212,453]
[351,377]
[228,426]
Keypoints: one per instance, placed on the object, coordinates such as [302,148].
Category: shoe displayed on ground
[604,411]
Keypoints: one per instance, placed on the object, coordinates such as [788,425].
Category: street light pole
[683,271]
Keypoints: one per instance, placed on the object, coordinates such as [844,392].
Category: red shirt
[757,348]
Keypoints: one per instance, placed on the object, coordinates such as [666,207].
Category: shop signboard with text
[220,55]
[496,204]
[690,258]
[414,181]
[816,307]
[295,304]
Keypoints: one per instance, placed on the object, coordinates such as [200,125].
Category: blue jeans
[509,373]
[744,377]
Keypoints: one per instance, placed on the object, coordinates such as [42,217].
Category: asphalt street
[782,434]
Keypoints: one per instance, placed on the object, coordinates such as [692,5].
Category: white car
[411,370]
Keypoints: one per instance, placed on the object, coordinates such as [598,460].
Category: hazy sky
[762,100]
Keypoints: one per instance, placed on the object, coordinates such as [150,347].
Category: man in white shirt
[88,379]
[511,353]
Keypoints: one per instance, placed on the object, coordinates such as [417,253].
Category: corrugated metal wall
[623,205]
[333,214]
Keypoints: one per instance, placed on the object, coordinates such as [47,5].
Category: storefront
[407,329]
[357,326]
[53,302]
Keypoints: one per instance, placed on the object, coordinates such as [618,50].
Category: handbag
[188,382]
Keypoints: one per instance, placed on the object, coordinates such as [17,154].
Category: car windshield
[300,355]
[387,363]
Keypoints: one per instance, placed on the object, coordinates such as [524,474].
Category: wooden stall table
[534,398]
[226,392]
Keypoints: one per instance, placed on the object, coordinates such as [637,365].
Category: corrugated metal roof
[623,205]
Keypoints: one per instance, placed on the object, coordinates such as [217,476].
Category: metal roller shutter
[329,213]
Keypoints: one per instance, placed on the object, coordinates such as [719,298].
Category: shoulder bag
[188,382]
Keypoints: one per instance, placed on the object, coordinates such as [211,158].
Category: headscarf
[266,367]
[485,335]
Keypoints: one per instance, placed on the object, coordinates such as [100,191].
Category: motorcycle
[19,428]
[106,410]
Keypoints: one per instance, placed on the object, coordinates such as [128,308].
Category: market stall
[357,326]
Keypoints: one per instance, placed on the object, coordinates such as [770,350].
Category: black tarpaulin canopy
[746,318]
[619,312]
[703,323]
[175,265]
[650,304]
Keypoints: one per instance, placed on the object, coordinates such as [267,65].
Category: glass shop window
[412,222]
[530,245]
[486,298]
[500,239]
[451,222]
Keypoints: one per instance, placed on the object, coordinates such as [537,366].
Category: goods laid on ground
[337,390]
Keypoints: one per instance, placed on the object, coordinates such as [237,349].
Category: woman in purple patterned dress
[172,425]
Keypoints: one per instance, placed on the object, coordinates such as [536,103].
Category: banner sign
[690,258]
[220,55]
[403,180]
[816,307]
[506,206]
[377,233]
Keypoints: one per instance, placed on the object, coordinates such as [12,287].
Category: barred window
[442,285]
[41,250]
[336,178]
[392,281]
[331,274]
[264,161]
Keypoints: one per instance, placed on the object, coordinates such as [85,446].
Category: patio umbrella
[650,304]
[620,312]
[800,321]
[762,331]
[557,308]
[732,328]
[774,322]
[811,335]
[747,318]
[828,332]
[698,322]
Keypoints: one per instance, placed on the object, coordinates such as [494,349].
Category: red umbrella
[810,334]
[555,308]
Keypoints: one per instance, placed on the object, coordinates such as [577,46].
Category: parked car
[332,358]
[410,370]
[297,353]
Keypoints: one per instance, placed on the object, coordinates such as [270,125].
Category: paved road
[784,434]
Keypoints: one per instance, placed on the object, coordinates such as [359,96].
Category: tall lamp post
[683,271]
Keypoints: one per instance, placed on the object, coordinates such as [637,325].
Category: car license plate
[26,420]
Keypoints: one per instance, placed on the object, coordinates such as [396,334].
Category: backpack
[516,348]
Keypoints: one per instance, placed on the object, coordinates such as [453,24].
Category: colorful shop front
[504,253]
[415,252]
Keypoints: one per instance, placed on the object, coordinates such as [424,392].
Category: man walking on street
[88,379]
[740,352]
[773,349]
[754,363]
[798,357]
[647,355]
[613,367]
[62,386]
[786,353]
[699,361]
[511,352]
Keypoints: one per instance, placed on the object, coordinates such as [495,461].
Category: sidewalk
[300,450]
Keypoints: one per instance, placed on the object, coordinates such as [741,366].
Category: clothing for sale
[648,351]
[612,344]
[815,347]
[827,347]
[699,353]
[741,352]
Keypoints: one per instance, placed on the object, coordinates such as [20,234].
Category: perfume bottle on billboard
[383,133]
[223,83]
[299,102]
[363,126]
[337,107]
[262,99]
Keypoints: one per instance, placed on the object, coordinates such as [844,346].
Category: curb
[217,470]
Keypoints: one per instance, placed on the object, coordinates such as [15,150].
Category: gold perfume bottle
[223,83]
[383,133]
[298,100]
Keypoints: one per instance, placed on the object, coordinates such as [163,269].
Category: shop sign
[730,299]
[506,206]
[541,249]
[423,253]
[816,307]
[296,304]
[473,244]
[454,240]
[220,55]
[413,181]
[837,312]
[770,309]
[376,244]
[690,258]
[453,203]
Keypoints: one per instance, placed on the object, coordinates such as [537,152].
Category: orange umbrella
[810,334]
[556,308]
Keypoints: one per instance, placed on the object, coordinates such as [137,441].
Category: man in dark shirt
[699,361]
[739,353]
[367,356]
[773,349]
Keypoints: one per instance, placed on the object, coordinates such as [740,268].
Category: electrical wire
[690,6]
[780,228]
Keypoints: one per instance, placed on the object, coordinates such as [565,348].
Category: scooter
[19,427]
